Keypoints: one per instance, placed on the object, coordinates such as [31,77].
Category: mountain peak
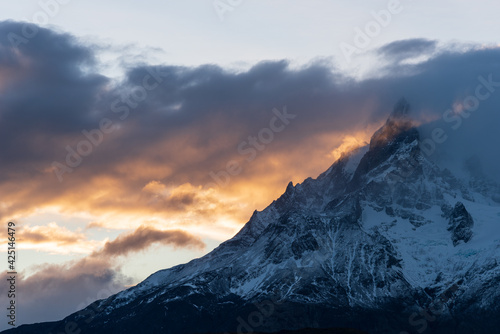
[399,122]
[401,110]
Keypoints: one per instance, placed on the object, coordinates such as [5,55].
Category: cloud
[66,288]
[190,124]
[58,239]
[75,284]
[406,49]
[50,233]
[175,139]
[144,237]
[349,143]
[51,87]
[55,239]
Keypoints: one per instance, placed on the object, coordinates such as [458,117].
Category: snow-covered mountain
[384,240]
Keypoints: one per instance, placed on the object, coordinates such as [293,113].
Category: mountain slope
[377,242]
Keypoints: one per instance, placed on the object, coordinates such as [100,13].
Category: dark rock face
[303,244]
[460,224]
[359,247]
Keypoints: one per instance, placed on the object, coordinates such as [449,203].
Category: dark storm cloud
[51,86]
[48,90]
[144,237]
[408,48]
[213,102]
[176,124]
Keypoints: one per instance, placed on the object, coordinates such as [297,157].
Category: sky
[138,136]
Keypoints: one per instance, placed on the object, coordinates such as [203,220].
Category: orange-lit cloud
[50,233]
[58,239]
[145,237]
[349,143]
[53,238]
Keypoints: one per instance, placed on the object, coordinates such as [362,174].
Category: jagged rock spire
[401,110]
[399,122]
